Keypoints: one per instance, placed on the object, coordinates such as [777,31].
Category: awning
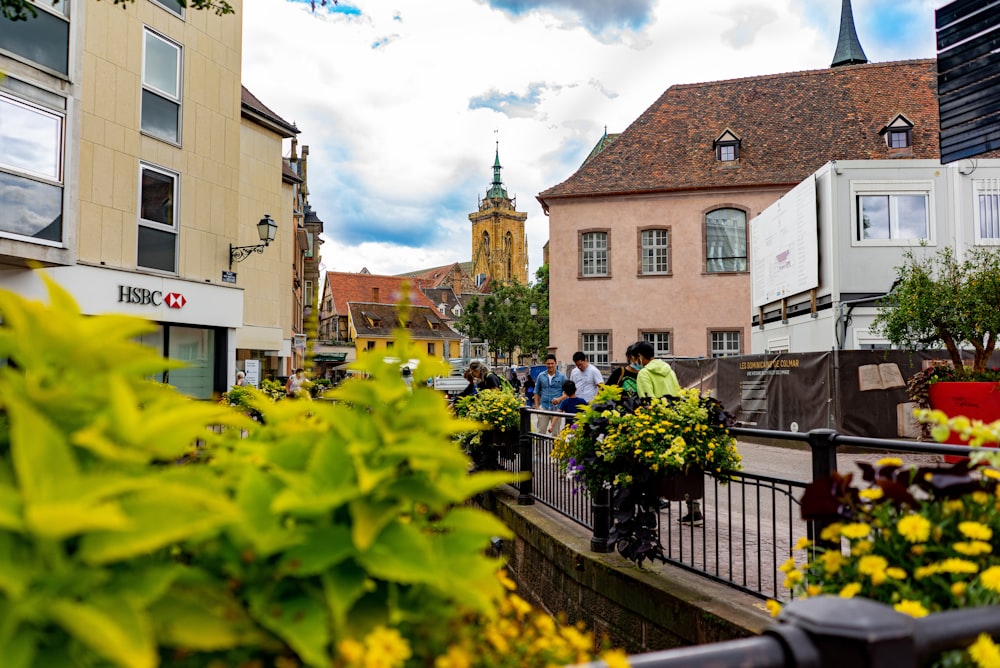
[329,357]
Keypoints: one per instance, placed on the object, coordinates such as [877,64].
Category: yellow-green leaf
[111,627]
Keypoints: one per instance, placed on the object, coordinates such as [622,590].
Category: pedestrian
[656,379]
[480,378]
[626,377]
[515,382]
[571,404]
[408,378]
[241,379]
[548,386]
[295,383]
[587,377]
[529,390]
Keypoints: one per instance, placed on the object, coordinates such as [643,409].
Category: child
[572,403]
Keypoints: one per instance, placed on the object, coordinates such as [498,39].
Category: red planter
[976,401]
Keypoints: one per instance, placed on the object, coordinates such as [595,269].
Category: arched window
[486,246]
[726,240]
[508,254]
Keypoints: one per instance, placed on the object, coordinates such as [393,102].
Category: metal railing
[751,523]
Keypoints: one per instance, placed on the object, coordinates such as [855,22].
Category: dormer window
[727,147]
[898,133]
[456,311]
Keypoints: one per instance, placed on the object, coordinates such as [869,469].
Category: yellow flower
[956,566]
[803,543]
[832,561]
[455,657]
[889,461]
[861,547]
[788,565]
[615,658]
[990,578]
[984,652]
[871,494]
[872,564]
[896,573]
[773,607]
[911,608]
[991,473]
[914,528]
[814,590]
[975,530]
[973,548]
[831,532]
[856,530]
[851,590]
[351,651]
[958,588]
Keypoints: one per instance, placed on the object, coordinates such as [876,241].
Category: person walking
[241,379]
[587,377]
[295,383]
[548,386]
[626,377]
[657,379]
[571,404]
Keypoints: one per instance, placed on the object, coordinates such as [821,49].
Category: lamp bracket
[240,253]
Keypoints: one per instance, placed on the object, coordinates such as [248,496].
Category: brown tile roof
[349,287]
[789,125]
[250,102]
[371,319]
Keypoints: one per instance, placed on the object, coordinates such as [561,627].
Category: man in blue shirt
[548,386]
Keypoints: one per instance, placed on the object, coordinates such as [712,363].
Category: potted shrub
[499,413]
[939,301]
[637,448]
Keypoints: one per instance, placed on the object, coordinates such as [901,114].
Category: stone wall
[640,610]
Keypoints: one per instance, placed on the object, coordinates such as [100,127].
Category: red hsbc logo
[175,300]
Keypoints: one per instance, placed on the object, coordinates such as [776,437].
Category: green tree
[503,318]
[938,300]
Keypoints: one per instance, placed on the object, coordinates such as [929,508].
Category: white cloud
[398,158]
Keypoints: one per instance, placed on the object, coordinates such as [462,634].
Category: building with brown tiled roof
[649,238]
[344,329]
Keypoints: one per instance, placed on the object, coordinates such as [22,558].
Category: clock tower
[499,246]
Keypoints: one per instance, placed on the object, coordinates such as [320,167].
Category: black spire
[849,51]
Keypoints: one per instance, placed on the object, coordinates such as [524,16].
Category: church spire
[497,190]
[849,51]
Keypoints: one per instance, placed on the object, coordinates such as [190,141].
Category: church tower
[499,246]
[848,51]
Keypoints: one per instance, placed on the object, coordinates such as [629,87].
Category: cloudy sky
[401,102]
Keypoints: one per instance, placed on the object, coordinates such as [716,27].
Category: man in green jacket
[656,378]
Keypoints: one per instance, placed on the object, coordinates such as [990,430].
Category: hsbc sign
[145,297]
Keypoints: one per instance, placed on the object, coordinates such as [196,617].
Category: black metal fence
[751,523]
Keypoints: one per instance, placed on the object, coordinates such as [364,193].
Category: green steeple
[497,190]
[849,51]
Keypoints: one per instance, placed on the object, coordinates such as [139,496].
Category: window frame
[982,188]
[582,252]
[52,10]
[740,338]
[649,335]
[722,148]
[746,241]
[893,133]
[26,173]
[173,228]
[890,189]
[179,12]
[152,89]
[591,351]
[668,250]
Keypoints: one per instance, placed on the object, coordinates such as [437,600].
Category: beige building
[130,167]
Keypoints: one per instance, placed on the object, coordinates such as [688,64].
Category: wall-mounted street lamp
[533,310]
[265,229]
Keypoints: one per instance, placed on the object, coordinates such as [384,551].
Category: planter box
[685,486]
[974,400]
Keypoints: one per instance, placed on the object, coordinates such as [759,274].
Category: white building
[823,254]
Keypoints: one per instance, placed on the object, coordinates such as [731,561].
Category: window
[157,219]
[172,6]
[891,213]
[725,344]
[430,348]
[161,84]
[508,254]
[31,170]
[898,138]
[308,294]
[44,40]
[655,252]
[594,254]
[596,347]
[197,347]
[370,345]
[727,147]
[726,240]
[987,212]
[660,342]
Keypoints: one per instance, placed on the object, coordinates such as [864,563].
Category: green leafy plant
[939,301]
[139,527]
